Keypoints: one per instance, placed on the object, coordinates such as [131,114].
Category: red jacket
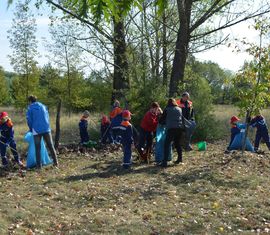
[149,122]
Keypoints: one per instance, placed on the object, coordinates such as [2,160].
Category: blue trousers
[261,135]
[127,155]
[13,148]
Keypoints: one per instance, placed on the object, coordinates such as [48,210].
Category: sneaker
[177,161]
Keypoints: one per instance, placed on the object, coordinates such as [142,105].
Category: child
[105,130]
[148,127]
[128,136]
[116,119]
[237,135]
[262,131]
[83,124]
[234,129]
[7,139]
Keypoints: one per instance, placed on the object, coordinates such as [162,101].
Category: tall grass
[70,130]
[69,126]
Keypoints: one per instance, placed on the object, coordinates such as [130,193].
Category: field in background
[69,127]
[70,131]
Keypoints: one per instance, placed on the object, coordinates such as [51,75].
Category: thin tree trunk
[57,124]
[164,50]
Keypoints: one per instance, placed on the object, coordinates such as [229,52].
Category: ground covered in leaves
[211,193]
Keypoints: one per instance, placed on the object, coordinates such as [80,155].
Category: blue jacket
[260,123]
[234,131]
[129,134]
[6,131]
[83,124]
[38,118]
[116,121]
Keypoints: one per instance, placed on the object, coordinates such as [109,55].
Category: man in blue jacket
[39,124]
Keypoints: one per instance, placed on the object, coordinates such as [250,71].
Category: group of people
[177,118]
[117,129]
[37,117]
[238,130]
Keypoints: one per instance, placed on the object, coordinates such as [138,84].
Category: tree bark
[181,48]
[120,76]
[57,125]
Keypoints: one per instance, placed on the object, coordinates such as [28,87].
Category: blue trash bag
[238,139]
[159,147]
[31,155]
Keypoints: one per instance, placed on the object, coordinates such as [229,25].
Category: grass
[211,193]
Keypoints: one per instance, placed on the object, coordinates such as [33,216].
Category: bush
[200,91]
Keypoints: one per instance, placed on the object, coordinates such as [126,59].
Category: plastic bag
[31,155]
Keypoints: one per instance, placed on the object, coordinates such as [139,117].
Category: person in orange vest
[188,113]
[129,136]
[116,119]
[83,125]
[7,139]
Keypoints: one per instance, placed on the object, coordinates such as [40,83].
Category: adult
[188,113]
[147,128]
[173,120]
[38,122]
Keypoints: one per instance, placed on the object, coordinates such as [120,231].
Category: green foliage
[218,79]
[253,80]
[23,42]
[4,89]
[21,85]
[140,99]
[202,99]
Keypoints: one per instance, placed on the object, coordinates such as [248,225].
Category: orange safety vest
[115,112]
[182,105]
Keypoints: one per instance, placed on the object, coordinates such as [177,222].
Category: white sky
[221,55]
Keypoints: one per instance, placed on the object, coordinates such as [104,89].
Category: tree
[66,56]
[253,81]
[195,24]
[4,89]
[23,42]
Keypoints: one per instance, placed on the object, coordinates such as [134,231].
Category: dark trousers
[146,139]
[173,135]
[262,135]
[13,148]
[106,134]
[127,155]
[116,135]
[49,142]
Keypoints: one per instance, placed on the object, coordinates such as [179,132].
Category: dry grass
[211,193]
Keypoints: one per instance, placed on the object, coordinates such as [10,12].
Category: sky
[222,55]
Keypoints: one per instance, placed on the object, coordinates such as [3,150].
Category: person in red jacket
[148,127]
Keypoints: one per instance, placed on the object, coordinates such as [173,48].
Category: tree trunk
[181,48]
[57,124]
[120,77]
[164,50]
